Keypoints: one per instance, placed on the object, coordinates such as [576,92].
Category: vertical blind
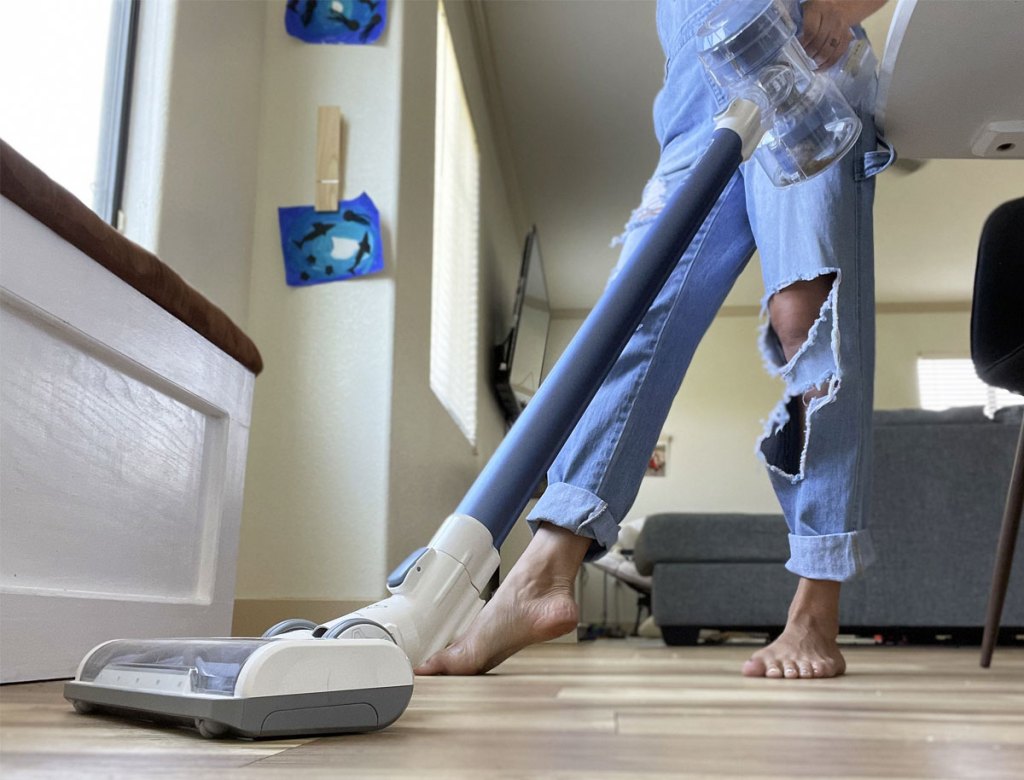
[454,296]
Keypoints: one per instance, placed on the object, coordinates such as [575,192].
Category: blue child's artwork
[330,246]
[336,21]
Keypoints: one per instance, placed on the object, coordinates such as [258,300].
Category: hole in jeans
[812,375]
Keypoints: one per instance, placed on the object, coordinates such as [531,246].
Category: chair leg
[643,600]
[1004,554]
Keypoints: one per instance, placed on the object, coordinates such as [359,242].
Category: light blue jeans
[817,228]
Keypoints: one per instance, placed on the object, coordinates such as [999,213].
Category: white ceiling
[577,79]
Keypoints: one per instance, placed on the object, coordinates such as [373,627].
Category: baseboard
[254,616]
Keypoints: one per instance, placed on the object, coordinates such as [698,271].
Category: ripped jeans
[820,228]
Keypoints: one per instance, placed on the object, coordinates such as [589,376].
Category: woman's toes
[754,667]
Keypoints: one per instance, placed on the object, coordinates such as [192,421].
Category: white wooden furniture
[123,437]
[949,84]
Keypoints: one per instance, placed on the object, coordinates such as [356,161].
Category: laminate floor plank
[605,710]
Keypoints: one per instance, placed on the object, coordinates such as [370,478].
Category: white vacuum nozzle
[435,594]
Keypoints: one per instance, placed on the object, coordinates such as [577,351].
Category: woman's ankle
[554,552]
[816,602]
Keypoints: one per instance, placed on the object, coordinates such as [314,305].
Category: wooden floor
[606,709]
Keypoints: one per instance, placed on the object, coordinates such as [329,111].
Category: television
[519,359]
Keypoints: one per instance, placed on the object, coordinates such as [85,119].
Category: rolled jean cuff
[839,557]
[579,511]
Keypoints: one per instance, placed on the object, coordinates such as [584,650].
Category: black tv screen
[519,359]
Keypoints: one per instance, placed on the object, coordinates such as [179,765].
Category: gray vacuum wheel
[292,624]
[210,729]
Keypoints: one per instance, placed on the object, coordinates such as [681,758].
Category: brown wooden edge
[25,185]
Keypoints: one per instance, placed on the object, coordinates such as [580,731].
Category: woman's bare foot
[807,647]
[536,602]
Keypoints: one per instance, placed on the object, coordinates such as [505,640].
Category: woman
[815,245]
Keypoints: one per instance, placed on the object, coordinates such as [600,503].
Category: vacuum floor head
[273,687]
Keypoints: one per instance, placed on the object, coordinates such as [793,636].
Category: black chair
[997,349]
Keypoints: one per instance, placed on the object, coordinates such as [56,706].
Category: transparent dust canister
[749,49]
[855,72]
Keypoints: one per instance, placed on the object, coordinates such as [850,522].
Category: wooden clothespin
[328,158]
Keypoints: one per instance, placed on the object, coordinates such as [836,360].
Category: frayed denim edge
[833,374]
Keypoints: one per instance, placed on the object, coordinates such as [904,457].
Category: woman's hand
[826,32]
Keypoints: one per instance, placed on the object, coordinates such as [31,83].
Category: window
[454,314]
[948,382]
[64,76]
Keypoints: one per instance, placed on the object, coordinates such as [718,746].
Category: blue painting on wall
[336,21]
[330,246]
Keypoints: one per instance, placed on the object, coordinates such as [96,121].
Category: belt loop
[873,163]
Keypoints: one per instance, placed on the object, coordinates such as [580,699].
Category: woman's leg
[817,258]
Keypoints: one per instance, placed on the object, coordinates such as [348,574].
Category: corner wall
[316,500]
[432,464]
[190,188]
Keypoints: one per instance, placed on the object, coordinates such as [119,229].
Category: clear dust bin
[749,48]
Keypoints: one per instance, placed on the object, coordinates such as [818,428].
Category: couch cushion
[679,537]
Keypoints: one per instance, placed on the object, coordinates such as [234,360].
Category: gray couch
[940,481]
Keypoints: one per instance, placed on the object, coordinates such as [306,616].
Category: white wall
[190,189]
[316,491]
[904,337]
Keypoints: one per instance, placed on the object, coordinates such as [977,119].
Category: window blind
[455,276]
